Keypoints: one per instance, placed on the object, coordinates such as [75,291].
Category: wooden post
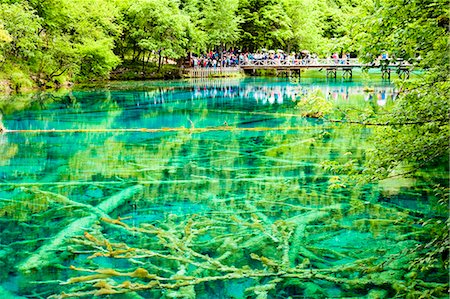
[385,70]
[347,73]
[331,72]
[403,72]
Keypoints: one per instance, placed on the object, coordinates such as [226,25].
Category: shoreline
[171,73]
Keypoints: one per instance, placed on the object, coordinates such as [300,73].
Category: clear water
[227,179]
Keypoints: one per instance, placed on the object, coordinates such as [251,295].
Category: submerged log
[45,255]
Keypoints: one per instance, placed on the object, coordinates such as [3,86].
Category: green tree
[20,29]
[78,38]
[197,38]
[157,27]
[407,29]
[20,39]
[221,22]
[5,39]
[306,25]
[417,131]
[265,24]
[414,137]
[59,40]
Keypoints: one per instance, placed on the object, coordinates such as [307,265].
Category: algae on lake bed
[230,201]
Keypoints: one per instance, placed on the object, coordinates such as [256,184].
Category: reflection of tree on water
[279,94]
[263,94]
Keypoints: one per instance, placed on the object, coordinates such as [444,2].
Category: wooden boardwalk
[213,72]
[293,67]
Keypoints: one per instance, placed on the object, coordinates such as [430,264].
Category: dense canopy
[56,41]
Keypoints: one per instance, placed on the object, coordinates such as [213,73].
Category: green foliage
[97,59]
[405,29]
[418,131]
[155,29]
[221,23]
[434,250]
[196,35]
[56,41]
[78,38]
[414,136]
[265,24]
[314,105]
[19,79]
[20,27]
[306,24]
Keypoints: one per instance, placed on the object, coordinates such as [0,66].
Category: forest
[53,42]
[56,41]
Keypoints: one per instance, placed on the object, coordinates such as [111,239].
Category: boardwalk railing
[299,62]
[352,62]
[198,72]
[295,65]
[291,66]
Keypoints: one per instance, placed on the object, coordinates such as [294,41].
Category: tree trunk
[221,55]
[159,60]
[47,253]
[143,63]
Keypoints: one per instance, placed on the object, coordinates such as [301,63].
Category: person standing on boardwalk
[335,57]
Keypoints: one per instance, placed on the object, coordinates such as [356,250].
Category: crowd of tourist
[233,58]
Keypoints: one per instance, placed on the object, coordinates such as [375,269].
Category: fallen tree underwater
[179,254]
[146,130]
[44,256]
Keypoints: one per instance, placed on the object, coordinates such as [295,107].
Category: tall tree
[221,22]
[157,27]
[197,37]
[418,130]
[79,36]
[265,24]
[61,38]
[306,24]
[20,28]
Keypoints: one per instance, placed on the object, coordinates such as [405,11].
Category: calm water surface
[193,181]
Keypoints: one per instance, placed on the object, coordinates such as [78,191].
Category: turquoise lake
[202,189]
